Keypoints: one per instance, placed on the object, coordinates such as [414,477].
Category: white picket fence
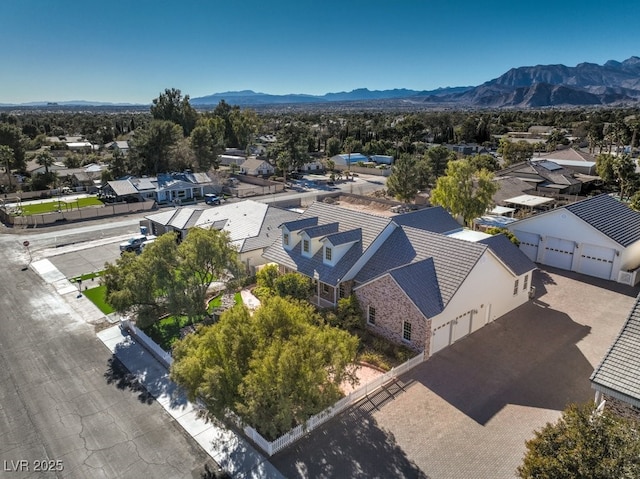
[150,345]
[270,448]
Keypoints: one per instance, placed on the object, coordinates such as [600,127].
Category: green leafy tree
[6,158]
[626,177]
[333,146]
[45,159]
[169,277]
[292,147]
[293,285]
[497,231]
[485,161]
[152,147]
[464,190]
[245,124]
[515,152]
[274,368]
[172,106]
[403,183]
[584,444]
[11,136]
[604,167]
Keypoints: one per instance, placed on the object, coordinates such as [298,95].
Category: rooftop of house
[618,374]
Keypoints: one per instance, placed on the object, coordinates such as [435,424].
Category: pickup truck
[132,244]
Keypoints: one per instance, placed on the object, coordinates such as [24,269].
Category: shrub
[375,359]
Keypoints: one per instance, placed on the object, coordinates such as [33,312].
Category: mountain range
[587,84]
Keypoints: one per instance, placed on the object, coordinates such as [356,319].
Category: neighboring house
[382,159]
[256,167]
[544,177]
[417,285]
[344,161]
[575,160]
[312,166]
[618,375]
[171,188]
[118,146]
[252,226]
[599,236]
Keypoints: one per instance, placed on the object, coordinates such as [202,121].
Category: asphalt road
[65,405]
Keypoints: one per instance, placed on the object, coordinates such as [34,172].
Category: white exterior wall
[487,289]
[252,258]
[563,224]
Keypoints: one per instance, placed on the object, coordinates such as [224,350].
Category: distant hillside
[614,83]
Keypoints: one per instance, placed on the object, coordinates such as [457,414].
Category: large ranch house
[421,279]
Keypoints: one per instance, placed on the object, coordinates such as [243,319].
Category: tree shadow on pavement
[528,357]
[120,376]
[350,445]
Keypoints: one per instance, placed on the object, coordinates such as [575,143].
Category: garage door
[528,244]
[461,326]
[596,261]
[558,252]
[441,337]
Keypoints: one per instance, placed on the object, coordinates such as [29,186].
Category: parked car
[132,244]
[212,199]
[147,242]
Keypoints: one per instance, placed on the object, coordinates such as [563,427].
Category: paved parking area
[467,411]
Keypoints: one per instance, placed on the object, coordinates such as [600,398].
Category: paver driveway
[466,412]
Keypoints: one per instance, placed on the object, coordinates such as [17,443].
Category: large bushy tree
[584,444]
[464,191]
[274,368]
[169,277]
[152,147]
[404,182]
[172,106]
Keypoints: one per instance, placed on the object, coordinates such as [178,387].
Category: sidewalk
[235,455]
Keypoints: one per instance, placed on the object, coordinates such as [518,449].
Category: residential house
[545,177]
[345,160]
[256,167]
[118,146]
[252,226]
[617,377]
[417,284]
[599,236]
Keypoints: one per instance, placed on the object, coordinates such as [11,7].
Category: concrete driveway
[467,411]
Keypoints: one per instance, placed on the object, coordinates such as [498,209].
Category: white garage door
[441,337]
[461,326]
[558,252]
[596,261]
[528,244]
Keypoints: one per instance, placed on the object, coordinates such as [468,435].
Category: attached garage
[598,236]
[558,252]
[454,330]
[596,261]
[441,337]
[528,244]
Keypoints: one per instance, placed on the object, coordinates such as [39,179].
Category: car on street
[133,243]
[211,199]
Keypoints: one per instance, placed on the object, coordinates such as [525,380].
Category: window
[285,239]
[305,246]
[325,288]
[341,290]
[515,287]
[525,285]
[406,331]
[327,253]
[371,315]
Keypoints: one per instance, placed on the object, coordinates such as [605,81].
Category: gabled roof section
[609,216]
[345,237]
[300,224]
[435,219]
[453,259]
[320,214]
[425,293]
[509,254]
[122,187]
[321,230]
[269,230]
[619,372]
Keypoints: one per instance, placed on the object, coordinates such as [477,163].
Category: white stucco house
[252,226]
[417,283]
[599,236]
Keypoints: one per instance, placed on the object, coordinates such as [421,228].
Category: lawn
[167,331]
[97,296]
[55,205]
[217,301]
[86,276]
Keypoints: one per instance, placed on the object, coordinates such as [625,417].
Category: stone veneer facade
[393,307]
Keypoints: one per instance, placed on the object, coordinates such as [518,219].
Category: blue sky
[117,51]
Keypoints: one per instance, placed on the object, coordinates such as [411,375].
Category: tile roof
[453,259]
[269,230]
[509,254]
[609,216]
[321,230]
[435,219]
[425,294]
[345,237]
[371,227]
[122,187]
[619,372]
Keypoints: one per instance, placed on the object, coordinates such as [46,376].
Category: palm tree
[6,157]
[45,159]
